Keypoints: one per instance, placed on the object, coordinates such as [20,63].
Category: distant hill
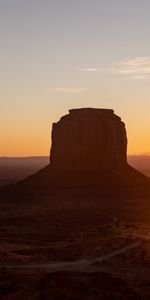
[13,169]
[141,163]
[24,161]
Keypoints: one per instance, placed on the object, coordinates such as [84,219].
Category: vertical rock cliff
[88,139]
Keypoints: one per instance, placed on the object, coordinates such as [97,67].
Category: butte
[89,150]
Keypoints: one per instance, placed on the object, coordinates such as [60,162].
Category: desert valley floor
[74,244]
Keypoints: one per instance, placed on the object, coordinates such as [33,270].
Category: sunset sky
[62,54]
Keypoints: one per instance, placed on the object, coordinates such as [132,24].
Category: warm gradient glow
[57,55]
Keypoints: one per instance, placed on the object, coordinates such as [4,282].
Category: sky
[62,54]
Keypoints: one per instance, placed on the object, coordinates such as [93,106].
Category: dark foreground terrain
[74,244]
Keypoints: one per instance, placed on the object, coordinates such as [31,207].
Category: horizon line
[47,156]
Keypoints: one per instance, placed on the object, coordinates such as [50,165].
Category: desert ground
[74,244]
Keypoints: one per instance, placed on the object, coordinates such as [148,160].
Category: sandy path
[74,265]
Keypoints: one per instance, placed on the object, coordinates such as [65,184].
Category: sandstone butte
[88,139]
[89,150]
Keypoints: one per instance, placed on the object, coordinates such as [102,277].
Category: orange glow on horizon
[41,147]
[34,138]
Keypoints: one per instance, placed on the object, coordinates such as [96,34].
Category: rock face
[88,139]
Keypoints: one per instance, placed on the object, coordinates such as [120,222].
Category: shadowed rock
[88,139]
[89,148]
